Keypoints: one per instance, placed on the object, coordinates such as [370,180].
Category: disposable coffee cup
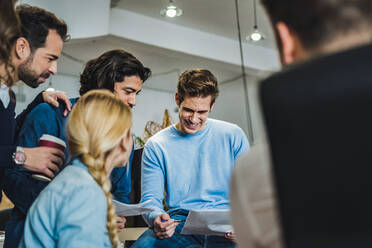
[47,140]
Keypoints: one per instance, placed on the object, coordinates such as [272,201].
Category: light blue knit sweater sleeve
[152,182]
[240,143]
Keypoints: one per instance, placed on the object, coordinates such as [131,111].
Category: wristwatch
[19,156]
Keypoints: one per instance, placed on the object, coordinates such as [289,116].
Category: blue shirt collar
[76,162]
[204,130]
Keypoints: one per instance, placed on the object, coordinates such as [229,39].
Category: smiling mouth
[191,125]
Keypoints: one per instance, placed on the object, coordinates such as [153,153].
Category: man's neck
[340,44]
[178,127]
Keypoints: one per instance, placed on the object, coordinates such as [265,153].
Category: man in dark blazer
[316,114]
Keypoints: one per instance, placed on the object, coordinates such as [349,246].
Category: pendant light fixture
[256,35]
[171,10]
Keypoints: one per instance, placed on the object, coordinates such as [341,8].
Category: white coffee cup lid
[41,177]
[54,139]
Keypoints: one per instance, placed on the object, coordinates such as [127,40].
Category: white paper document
[122,209]
[208,221]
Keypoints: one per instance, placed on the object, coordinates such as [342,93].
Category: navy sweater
[9,126]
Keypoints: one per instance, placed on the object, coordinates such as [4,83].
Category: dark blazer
[318,117]
[9,126]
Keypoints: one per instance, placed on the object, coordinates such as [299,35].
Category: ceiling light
[256,35]
[171,10]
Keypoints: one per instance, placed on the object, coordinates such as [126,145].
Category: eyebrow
[52,55]
[131,89]
[191,110]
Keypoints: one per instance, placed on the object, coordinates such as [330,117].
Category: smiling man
[192,161]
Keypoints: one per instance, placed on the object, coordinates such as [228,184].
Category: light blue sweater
[70,212]
[193,169]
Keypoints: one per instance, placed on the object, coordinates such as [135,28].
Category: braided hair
[96,125]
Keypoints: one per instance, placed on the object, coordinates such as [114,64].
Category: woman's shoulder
[74,179]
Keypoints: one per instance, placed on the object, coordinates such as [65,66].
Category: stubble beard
[27,75]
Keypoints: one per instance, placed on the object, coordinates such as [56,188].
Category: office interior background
[206,35]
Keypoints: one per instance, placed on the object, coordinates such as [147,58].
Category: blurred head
[9,31]
[197,91]
[118,71]
[314,27]
[39,45]
[99,126]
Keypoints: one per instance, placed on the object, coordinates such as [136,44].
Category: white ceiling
[214,16]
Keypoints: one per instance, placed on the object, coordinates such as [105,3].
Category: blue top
[193,169]
[22,189]
[70,212]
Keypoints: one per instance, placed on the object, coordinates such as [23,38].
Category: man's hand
[231,236]
[52,98]
[46,160]
[164,226]
[120,221]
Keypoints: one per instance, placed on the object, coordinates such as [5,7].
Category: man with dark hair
[328,43]
[192,161]
[117,71]
[35,58]
[32,65]
[40,44]
[111,68]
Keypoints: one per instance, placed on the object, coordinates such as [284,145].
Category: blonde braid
[97,170]
[96,126]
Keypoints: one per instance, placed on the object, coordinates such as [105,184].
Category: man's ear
[212,107]
[177,99]
[22,49]
[289,43]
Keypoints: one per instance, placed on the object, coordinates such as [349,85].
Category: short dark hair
[317,22]
[35,25]
[109,68]
[197,82]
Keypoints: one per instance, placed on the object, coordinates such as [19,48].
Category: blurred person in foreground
[318,40]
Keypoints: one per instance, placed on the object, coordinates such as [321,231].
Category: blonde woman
[75,209]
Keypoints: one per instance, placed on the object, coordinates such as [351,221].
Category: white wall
[84,18]
[230,105]
[150,103]
[66,83]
